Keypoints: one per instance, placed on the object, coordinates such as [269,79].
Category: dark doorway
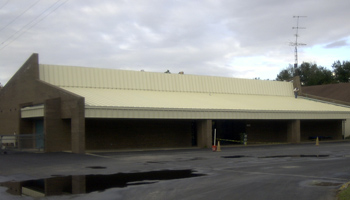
[39,134]
[229,131]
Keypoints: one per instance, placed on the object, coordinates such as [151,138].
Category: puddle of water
[66,185]
[96,167]
[234,156]
[296,156]
[177,160]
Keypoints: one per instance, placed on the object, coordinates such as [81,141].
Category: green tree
[341,71]
[286,74]
[310,74]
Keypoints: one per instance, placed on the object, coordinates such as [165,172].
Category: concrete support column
[78,127]
[204,133]
[346,128]
[56,130]
[78,184]
[294,131]
[56,186]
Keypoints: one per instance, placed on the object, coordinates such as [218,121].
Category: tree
[341,71]
[310,74]
[286,74]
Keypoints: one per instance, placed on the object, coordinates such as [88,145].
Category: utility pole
[296,44]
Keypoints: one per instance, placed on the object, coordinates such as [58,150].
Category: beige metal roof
[99,102]
[83,77]
[113,93]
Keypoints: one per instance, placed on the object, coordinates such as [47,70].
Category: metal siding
[205,114]
[117,81]
[102,78]
[181,100]
[120,79]
[243,98]
[65,77]
[88,78]
[70,79]
[30,112]
[147,81]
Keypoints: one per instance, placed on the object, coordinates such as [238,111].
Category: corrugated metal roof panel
[132,94]
[204,102]
[65,76]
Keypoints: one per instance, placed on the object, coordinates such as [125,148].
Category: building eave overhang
[172,113]
[169,113]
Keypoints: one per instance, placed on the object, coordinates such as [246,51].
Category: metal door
[39,134]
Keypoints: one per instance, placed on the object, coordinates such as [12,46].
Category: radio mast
[296,44]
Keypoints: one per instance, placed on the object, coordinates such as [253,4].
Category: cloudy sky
[231,38]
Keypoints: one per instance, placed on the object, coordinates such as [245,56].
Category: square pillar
[78,184]
[293,131]
[78,127]
[56,130]
[204,133]
[346,128]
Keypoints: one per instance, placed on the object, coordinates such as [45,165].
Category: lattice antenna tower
[296,44]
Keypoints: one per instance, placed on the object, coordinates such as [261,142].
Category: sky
[229,38]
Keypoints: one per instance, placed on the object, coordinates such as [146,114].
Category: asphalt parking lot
[302,171]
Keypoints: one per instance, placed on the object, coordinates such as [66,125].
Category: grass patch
[344,193]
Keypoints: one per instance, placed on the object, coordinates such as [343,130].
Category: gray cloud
[337,44]
[204,37]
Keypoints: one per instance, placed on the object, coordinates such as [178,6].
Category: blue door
[39,134]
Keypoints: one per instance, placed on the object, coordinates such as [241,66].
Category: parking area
[302,171]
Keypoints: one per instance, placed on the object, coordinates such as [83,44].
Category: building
[78,109]
[334,93]
[337,93]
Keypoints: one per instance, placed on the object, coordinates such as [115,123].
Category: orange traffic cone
[219,147]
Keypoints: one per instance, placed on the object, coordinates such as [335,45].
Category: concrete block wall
[204,133]
[25,89]
[58,137]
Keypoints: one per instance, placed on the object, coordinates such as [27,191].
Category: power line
[31,26]
[3,5]
[13,35]
[19,16]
